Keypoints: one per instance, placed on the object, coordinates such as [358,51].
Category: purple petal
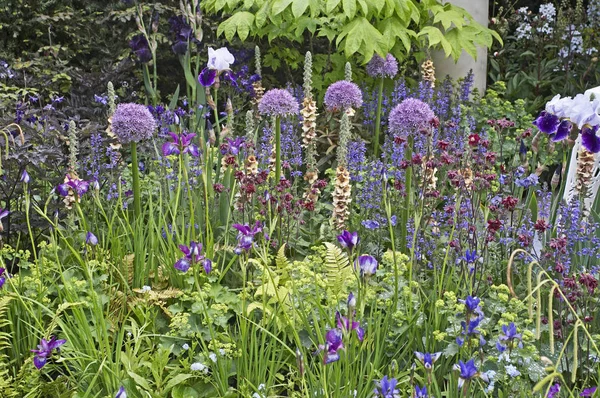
[331,357]
[63,189]
[207,265]
[564,128]
[182,264]
[169,148]
[360,333]
[590,140]
[184,249]
[207,77]
[193,150]
[39,361]
[547,122]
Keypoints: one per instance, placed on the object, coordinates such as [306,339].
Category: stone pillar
[446,66]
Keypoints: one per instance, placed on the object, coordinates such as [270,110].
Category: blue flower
[121,393]
[468,371]
[333,343]
[421,392]
[547,122]
[91,239]
[44,350]
[370,224]
[246,236]
[345,324]
[192,256]
[427,359]
[25,177]
[386,388]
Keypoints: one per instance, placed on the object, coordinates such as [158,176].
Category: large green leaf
[280,5]
[349,8]
[361,35]
[299,7]
[240,22]
[436,38]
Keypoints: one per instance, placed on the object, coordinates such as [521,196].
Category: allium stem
[135,175]
[277,150]
[378,119]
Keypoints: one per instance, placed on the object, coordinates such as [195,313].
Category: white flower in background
[220,59]
[213,357]
[548,11]
[512,371]
[146,289]
[198,366]
[583,111]
[222,352]
[186,346]
[524,31]
[560,107]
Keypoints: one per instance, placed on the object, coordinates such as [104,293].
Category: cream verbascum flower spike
[342,187]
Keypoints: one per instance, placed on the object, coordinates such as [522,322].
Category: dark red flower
[474,139]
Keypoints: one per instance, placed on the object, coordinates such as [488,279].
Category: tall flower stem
[378,119]
[135,175]
[277,150]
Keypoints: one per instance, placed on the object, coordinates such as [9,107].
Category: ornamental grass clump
[278,103]
[132,123]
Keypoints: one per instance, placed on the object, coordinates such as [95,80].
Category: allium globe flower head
[380,67]
[342,95]
[133,123]
[278,102]
[410,116]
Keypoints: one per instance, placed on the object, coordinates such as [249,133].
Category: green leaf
[378,4]
[180,378]
[280,5]
[349,8]
[361,35]
[174,98]
[299,7]
[240,22]
[141,381]
[449,17]
[261,15]
[331,5]
[393,29]
[364,6]
[435,38]
[184,392]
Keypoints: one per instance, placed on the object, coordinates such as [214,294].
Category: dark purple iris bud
[563,130]
[589,139]
[44,351]
[428,359]
[207,265]
[91,239]
[547,122]
[2,277]
[348,239]
[367,265]
[140,47]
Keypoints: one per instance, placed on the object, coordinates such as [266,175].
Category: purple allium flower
[563,131]
[547,122]
[555,389]
[348,239]
[182,143]
[386,388]
[421,392]
[44,350]
[379,67]
[25,177]
[278,102]
[588,392]
[121,393]
[246,236]
[140,47]
[133,123]
[80,187]
[2,277]
[589,139]
[367,265]
[428,359]
[333,343]
[91,239]
[342,95]
[468,371]
[345,324]
[409,117]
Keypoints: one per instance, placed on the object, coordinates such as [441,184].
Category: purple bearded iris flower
[563,130]
[140,47]
[219,61]
[428,359]
[182,34]
[44,350]
[192,256]
[333,343]
[348,239]
[367,265]
[547,123]
[73,185]
[589,139]
[245,236]
[386,388]
[182,143]
[347,325]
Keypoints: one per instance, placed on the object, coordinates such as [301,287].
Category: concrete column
[446,66]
